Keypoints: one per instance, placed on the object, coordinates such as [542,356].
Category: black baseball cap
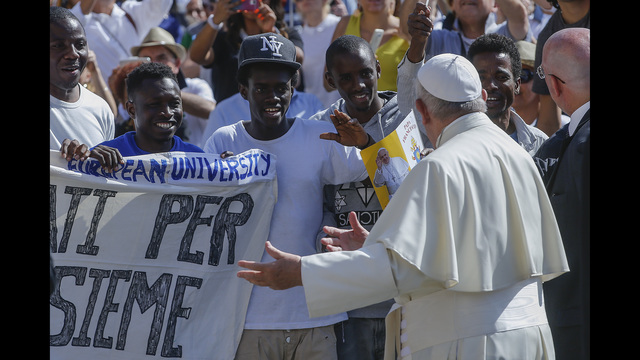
[267,48]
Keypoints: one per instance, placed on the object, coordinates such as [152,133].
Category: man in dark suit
[564,162]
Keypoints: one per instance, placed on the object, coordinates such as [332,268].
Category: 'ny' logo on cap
[272,45]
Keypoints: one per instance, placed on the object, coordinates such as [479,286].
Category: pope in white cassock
[463,246]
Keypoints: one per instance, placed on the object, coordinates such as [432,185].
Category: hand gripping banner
[145,257]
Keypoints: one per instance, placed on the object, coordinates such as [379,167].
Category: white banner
[146,257]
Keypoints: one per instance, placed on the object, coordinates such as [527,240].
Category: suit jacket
[568,184]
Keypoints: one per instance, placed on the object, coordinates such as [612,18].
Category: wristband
[212,24]
[370,142]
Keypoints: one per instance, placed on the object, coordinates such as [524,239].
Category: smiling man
[353,70]
[155,106]
[473,18]
[497,60]
[277,324]
[196,94]
[74,111]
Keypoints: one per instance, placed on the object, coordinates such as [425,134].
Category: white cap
[450,77]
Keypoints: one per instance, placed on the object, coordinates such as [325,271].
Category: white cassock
[391,174]
[463,247]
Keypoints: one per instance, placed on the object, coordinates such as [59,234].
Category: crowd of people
[483,252]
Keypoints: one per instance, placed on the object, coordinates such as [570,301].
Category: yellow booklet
[389,160]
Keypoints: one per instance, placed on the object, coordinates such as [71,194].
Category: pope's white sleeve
[339,281]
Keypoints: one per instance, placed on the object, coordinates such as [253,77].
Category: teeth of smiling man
[164,125]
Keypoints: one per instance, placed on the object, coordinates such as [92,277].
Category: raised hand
[349,131]
[346,240]
[265,17]
[419,26]
[419,22]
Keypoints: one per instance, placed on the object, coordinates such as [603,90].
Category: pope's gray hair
[443,109]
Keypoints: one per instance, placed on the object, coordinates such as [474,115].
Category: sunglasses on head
[526,76]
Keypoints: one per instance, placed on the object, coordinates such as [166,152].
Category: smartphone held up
[247,5]
[133,59]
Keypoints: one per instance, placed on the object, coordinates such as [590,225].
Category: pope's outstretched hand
[285,271]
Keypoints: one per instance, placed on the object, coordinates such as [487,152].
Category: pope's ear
[422,109]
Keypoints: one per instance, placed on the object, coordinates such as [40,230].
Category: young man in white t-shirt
[74,112]
[279,320]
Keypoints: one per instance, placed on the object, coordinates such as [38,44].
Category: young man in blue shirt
[155,105]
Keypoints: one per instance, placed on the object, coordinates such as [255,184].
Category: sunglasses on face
[526,76]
